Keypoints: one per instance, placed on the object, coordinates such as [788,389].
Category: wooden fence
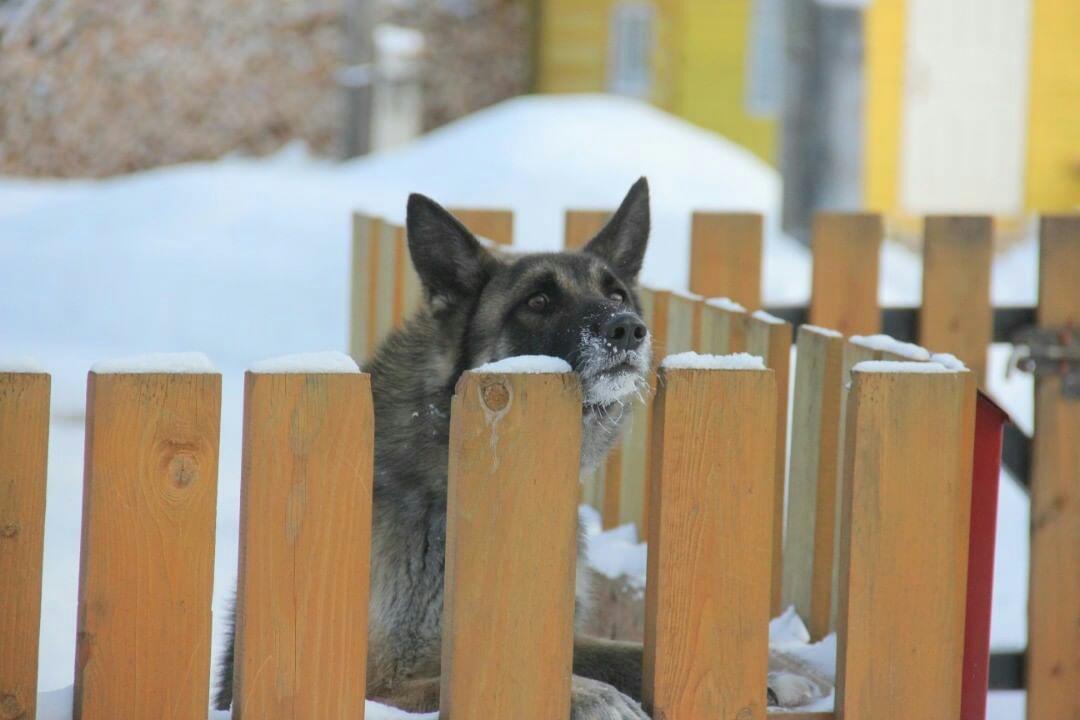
[725,314]
[143,642]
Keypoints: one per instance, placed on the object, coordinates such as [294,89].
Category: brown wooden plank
[147,563]
[361,314]
[707,593]
[489,223]
[514,445]
[305,546]
[725,256]
[956,315]
[801,716]
[581,226]
[844,294]
[769,338]
[24,451]
[1053,657]
[815,466]
[612,490]
[633,463]
[723,327]
[900,649]
[387,305]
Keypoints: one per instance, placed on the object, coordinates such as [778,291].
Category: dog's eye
[539,301]
[617,295]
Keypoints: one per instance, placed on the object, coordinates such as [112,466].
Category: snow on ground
[246,259]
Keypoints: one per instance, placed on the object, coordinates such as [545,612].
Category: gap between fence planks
[24,450]
[581,226]
[956,314]
[514,445]
[305,538]
[491,224]
[900,640]
[147,563]
[815,467]
[707,593]
[770,338]
[1053,657]
[844,292]
[725,256]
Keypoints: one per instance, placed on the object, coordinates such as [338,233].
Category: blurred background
[179,175]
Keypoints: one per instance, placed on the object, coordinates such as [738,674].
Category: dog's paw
[788,690]
[595,700]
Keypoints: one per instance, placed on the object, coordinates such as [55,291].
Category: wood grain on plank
[726,255]
[710,529]
[364,259]
[904,533]
[723,329]
[305,546]
[1053,657]
[956,315]
[815,465]
[387,304]
[509,604]
[24,451]
[581,226]
[770,339]
[844,294]
[147,560]
[491,224]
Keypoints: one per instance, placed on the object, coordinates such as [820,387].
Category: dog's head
[579,306]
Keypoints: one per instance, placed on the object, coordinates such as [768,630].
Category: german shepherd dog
[578,306]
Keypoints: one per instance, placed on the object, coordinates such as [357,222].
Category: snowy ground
[247,259]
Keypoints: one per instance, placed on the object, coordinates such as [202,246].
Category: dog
[580,306]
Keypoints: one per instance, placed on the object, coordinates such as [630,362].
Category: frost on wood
[888,344]
[20,365]
[948,360]
[528,364]
[900,366]
[766,317]
[694,361]
[817,329]
[316,362]
[725,304]
[187,362]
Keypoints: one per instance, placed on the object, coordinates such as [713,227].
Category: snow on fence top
[766,317]
[529,364]
[20,365]
[694,361]
[948,360]
[687,295]
[885,343]
[725,304]
[185,362]
[900,366]
[313,362]
[822,331]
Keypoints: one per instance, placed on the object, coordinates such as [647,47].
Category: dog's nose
[624,330]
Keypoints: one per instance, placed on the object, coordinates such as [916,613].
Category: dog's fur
[482,307]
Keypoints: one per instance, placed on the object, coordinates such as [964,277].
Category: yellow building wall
[573,45]
[883,88]
[713,38]
[1053,141]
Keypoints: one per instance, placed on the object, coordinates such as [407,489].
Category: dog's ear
[451,263]
[622,241]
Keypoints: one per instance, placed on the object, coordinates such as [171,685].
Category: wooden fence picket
[581,226]
[147,565]
[812,488]
[769,338]
[707,593]
[844,290]
[725,256]
[24,444]
[363,301]
[1053,658]
[722,327]
[305,539]
[514,445]
[900,647]
[491,224]
[956,314]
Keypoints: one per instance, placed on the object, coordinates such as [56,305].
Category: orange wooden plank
[710,524]
[24,450]
[903,564]
[147,564]
[305,546]
[1053,657]
[844,294]
[956,315]
[514,445]
[582,226]
[492,224]
[362,289]
[725,256]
